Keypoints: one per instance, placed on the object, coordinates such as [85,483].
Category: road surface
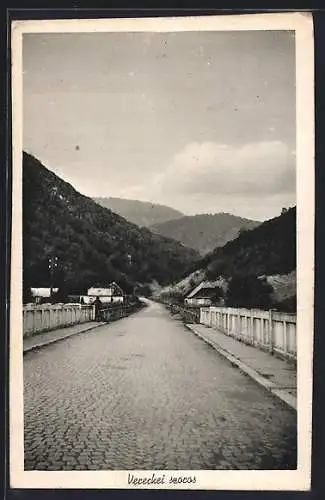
[146,393]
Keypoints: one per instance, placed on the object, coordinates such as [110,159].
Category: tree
[62,294]
[249,292]
[27,294]
[218,294]
[144,290]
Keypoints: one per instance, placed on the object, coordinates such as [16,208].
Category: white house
[43,292]
[113,293]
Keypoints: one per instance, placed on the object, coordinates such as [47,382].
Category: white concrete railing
[269,330]
[43,318]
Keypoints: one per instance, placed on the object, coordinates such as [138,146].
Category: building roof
[110,289]
[43,292]
[203,284]
[205,293]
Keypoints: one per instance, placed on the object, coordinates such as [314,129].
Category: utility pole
[53,266]
[129,259]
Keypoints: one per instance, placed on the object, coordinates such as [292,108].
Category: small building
[112,293]
[205,294]
[41,293]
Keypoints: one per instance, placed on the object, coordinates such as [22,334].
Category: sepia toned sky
[201,121]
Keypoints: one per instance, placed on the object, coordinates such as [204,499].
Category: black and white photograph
[162,253]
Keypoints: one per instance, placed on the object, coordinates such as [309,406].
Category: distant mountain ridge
[93,244]
[142,213]
[204,232]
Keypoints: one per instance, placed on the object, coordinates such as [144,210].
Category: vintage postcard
[162,253]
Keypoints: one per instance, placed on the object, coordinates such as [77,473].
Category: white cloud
[259,168]
[255,180]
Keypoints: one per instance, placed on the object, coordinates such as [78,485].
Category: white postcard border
[295,480]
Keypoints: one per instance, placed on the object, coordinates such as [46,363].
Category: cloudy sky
[200,121]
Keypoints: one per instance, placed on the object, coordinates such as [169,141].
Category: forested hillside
[204,232]
[93,244]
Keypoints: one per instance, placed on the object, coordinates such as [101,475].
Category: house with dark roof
[111,293]
[205,294]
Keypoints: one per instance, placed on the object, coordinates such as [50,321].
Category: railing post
[247,318]
[243,323]
[51,318]
[34,321]
[271,332]
[262,334]
[295,337]
[285,341]
[253,337]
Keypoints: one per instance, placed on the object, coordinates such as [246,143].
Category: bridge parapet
[269,330]
[37,319]
[113,313]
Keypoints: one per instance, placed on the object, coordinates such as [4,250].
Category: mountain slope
[139,212]
[93,244]
[268,249]
[204,232]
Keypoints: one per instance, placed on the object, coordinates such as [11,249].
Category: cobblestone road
[146,393]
